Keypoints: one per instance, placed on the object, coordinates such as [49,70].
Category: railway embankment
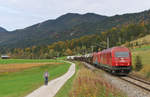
[130,89]
[90,82]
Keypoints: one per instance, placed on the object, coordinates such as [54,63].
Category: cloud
[28,12]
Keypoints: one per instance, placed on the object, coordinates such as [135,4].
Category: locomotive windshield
[122,54]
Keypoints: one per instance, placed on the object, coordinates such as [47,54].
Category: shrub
[138,63]
[148,75]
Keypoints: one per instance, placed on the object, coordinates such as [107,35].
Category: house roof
[5,56]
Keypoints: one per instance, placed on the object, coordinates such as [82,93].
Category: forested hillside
[49,31]
[67,27]
[3,34]
[85,44]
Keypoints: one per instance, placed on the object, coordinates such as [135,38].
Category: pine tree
[138,63]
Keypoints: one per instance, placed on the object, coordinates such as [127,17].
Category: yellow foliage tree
[69,52]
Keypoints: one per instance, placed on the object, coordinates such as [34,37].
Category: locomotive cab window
[122,54]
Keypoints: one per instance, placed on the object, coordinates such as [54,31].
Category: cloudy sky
[17,14]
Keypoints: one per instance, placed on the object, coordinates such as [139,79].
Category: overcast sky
[17,14]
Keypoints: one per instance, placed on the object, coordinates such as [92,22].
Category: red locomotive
[116,60]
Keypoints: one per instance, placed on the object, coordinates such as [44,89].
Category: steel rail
[145,85]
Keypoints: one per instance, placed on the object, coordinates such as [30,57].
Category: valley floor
[20,77]
[53,86]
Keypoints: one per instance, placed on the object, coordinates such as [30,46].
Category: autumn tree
[68,52]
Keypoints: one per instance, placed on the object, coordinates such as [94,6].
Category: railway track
[145,85]
[139,79]
[138,82]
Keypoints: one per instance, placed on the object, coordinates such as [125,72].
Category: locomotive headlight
[116,64]
[128,64]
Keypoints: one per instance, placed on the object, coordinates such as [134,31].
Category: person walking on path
[46,75]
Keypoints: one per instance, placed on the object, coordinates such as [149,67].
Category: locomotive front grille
[121,67]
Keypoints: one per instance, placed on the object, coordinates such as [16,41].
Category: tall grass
[92,84]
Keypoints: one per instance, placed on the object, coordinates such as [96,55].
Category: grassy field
[17,61]
[87,83]
[19,84]
[62,58]
[144,53]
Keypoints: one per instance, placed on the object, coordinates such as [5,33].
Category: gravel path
[53,86]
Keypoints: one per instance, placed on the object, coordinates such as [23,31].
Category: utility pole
[92,48]
[103,44]
[108,42]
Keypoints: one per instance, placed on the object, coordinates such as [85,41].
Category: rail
[137,82]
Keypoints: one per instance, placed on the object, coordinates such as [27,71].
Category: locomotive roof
[114,48]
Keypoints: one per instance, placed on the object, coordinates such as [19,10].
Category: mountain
[2,30]
[114,21]
[69,26]
[49,31]
[3,34]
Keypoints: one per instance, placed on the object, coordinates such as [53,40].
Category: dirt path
[54,85]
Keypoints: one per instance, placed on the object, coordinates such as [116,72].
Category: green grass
[15,61]
[143,48]
[64,91]
[19,84]
[62,58]
[144,53]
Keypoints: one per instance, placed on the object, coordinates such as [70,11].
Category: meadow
[16,61]
[22,82]
[144,53]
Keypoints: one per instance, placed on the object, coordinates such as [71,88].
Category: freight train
[116,60]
